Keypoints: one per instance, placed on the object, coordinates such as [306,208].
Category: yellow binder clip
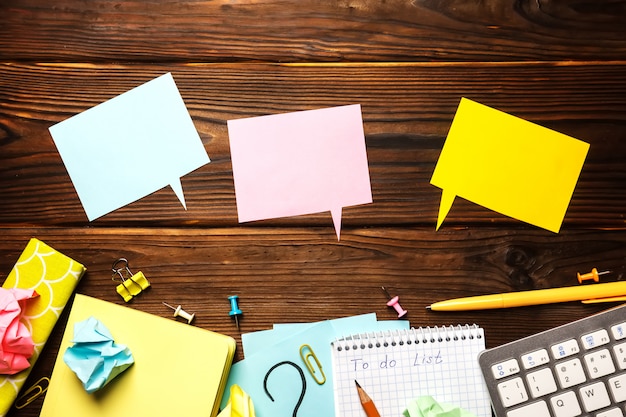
[306,357]
[132,284]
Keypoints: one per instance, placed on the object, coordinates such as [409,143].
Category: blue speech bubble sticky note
[130,146]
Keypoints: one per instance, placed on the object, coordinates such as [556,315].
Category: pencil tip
[357,383]
[427,307]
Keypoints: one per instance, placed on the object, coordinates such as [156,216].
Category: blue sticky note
[284,383]
[257,341]
[130,146]
[274,363]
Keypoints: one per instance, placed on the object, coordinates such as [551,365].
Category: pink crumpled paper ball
[16,341]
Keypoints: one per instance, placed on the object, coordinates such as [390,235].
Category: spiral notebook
[397,366]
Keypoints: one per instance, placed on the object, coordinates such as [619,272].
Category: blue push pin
[234,309]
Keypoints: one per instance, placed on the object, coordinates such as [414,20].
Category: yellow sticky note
[179,370]
[508,165]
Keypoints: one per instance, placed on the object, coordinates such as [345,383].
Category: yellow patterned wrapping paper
[54,276]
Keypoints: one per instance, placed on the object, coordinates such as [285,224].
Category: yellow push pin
[593,275]
[178,311]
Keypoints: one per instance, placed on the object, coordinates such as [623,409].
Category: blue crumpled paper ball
[95,358]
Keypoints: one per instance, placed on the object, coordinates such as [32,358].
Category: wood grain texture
[407,111]
[279,271]
[311,30]
[560,64]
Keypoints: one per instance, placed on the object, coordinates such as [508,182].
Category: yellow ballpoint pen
[533,297]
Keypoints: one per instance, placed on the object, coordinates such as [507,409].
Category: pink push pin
[394,302]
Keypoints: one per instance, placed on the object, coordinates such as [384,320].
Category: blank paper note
[300,163]
[130,146]
[509,165]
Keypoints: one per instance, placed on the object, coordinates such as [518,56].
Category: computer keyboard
[578,369]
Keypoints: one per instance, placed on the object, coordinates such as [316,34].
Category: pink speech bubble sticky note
[300,163]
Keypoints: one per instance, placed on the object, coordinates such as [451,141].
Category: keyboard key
[619,331]
[512,392]
[536,358]
[574,370]
[594,397]
[566,405]
[617,385]
[565,349]
[504,369]
[599,363]
[570,373]
[538,409]
[597,338]
[541,382]
[620,355]
[613,412]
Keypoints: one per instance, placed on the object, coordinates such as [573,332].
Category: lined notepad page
[397,366]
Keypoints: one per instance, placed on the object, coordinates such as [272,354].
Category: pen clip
[605,300]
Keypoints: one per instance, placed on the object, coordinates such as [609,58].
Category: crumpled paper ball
[16,341]
[95,358]
[427,406]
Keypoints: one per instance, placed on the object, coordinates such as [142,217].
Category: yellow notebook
[179,369]
[54,276]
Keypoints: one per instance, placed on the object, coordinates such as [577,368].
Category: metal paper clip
[132,284]
[307,361]
[32,393]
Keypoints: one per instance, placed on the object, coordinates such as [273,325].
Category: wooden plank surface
[311,31]
[559,64]
[259,264]
[407,111]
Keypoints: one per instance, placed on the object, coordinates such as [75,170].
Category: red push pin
[394,302]
[593,275]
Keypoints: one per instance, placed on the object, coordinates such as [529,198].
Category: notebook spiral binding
[420,335]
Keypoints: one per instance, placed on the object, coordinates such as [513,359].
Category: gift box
[54,276]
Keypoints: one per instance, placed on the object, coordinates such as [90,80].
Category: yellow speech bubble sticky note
[508,165]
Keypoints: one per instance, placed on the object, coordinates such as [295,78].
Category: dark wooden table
[559,64]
